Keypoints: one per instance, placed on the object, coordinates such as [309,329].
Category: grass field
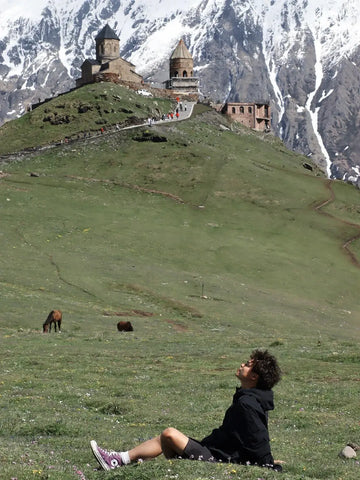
[212,243]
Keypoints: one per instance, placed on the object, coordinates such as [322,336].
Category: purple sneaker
[107,460]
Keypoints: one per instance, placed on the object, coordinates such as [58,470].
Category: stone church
[108,64]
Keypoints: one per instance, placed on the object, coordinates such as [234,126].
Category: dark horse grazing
[54,317]
[125,327]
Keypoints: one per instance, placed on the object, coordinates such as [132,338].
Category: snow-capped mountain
[302,55]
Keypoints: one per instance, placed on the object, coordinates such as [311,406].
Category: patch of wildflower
[79,473]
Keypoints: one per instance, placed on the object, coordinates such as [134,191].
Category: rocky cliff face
[301,55]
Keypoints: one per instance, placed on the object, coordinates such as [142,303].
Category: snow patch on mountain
[10,11]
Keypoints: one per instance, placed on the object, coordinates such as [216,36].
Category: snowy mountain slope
[302,55]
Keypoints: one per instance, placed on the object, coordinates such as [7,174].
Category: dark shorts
[195,451]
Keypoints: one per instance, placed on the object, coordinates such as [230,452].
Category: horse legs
[59,325]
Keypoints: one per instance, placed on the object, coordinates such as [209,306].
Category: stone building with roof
[108,64]
[182,80]
[256,115]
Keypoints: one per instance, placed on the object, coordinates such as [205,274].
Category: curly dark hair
[266,366]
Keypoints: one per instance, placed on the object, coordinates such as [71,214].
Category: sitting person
[242,438]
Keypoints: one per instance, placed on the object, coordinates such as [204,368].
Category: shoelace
[112,452]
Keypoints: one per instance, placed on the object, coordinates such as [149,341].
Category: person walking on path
[242,438]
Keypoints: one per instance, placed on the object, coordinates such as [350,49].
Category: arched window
[176,74]
[184,73]
[250,109]
[233,110]
[241,109]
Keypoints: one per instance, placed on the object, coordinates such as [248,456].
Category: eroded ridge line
[347,244]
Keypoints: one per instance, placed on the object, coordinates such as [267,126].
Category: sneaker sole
[97,455]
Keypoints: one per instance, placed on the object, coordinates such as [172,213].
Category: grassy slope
[87,236]
[84,110]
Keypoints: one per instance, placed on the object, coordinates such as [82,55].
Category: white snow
[198,68]
[352,179]
[332,26]
[314,112]
[325,94]
[159,23]
[11,10]
[334,22]
[65,60]
[155,49]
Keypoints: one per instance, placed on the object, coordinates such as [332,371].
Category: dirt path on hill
[347,244]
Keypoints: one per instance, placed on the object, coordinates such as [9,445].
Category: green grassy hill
[212,240]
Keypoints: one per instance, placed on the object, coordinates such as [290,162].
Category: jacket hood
[264,397]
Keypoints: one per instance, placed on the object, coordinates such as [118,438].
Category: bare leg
[146,450]
[171,442]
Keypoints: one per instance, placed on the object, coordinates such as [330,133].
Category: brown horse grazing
[54,317]
[124,327]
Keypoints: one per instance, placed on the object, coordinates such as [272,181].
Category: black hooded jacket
[243,436]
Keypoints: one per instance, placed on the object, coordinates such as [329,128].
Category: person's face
[245,374]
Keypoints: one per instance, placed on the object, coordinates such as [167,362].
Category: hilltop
[79,113]
[213,240]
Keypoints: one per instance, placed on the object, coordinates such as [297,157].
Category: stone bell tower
[107,45]
[181,62]
[182,78]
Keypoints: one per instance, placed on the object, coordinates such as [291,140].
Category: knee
[168,442]
[168,434]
